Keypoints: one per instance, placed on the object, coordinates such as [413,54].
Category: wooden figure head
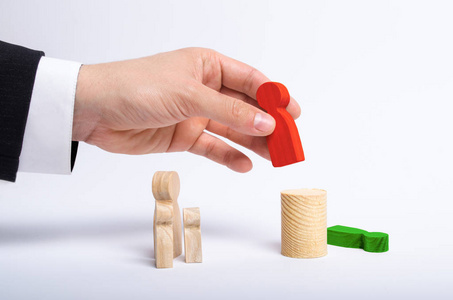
[166,185]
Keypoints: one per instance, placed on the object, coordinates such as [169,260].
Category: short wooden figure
[192,235]
[284,143]
[166,191]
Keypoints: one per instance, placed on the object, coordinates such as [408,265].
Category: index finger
[241,77]
[246,79]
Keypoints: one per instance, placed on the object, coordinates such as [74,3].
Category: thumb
[234,113]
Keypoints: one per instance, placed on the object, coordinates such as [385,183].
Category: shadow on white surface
[30,233]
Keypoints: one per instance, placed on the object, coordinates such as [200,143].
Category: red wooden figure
[284,143]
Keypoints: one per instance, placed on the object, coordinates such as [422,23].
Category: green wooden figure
[350,237]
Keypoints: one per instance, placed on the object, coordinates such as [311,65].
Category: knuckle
[207,51]
[237,109]
[188,99]
[249,80]
[210,148]
[229,133]
[228,158]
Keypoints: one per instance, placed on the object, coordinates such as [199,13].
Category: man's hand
[170,101]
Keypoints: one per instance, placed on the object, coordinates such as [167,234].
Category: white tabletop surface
[67,243]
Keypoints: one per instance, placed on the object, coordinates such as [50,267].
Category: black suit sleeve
[17,74]
[18,67]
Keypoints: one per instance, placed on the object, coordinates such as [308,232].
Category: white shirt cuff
[48,133]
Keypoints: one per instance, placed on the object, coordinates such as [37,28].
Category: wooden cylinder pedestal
[304,223]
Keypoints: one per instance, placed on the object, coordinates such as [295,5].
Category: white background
[375,83]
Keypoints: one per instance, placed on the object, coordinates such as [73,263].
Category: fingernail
[263,122]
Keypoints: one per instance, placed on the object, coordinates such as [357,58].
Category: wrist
[85,116]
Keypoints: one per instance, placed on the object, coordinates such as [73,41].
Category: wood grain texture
[163,234]
[192,235]
[304,223]
[166,187]
[284,143]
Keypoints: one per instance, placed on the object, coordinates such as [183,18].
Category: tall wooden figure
[163,234]
[167,219]
[284,143]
